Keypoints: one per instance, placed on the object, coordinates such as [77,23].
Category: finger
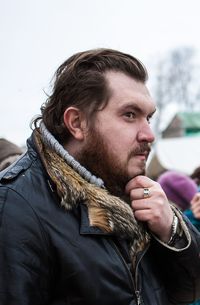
[142,204]
[138,182]
[140,193]
[143,215]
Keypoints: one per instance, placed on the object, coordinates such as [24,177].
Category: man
[80,222]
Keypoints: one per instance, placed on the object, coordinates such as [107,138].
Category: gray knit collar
[49,140]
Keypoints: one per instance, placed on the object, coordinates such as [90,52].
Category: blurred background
[38,35]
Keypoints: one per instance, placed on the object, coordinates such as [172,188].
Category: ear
[75,122]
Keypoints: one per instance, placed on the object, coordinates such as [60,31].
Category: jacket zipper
[137,291]
[138,297]
[134,283]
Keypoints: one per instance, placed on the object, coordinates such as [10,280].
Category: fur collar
[105,211]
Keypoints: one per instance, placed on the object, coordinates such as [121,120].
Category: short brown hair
[80,81]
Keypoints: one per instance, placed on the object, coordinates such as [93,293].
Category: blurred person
[80,222]
[196,176]
[194,216]
[182,191]
[179,188]
[195,205]
[194,212]
[9,153]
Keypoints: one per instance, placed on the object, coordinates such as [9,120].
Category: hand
[155,210]
[195,205]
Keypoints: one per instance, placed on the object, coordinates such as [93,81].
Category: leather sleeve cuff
[180,239]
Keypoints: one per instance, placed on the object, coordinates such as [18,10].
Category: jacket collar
[103,212]
[85,227]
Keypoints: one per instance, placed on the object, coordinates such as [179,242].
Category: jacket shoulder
[15,169]
[19,166]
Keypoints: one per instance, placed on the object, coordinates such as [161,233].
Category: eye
[130,115]
[149,117]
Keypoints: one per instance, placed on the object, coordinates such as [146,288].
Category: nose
[145,133]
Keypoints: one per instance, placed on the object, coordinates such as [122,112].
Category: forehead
[126,90]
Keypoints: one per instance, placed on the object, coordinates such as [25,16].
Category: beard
[97,157]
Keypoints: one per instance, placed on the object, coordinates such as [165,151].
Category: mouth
[142,155]
[141,152]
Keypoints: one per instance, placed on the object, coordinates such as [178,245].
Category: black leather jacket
[50,256]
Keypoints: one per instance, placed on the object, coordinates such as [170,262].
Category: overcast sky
[38,35]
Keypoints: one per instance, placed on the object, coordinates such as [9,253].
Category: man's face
[117,146]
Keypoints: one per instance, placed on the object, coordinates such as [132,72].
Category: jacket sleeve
[180,270]
[25,268]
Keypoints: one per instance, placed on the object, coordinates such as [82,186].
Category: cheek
[119,149]
[120,141]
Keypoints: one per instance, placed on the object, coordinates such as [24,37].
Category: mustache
[144,147]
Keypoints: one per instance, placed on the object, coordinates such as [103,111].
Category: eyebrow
[136,108]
